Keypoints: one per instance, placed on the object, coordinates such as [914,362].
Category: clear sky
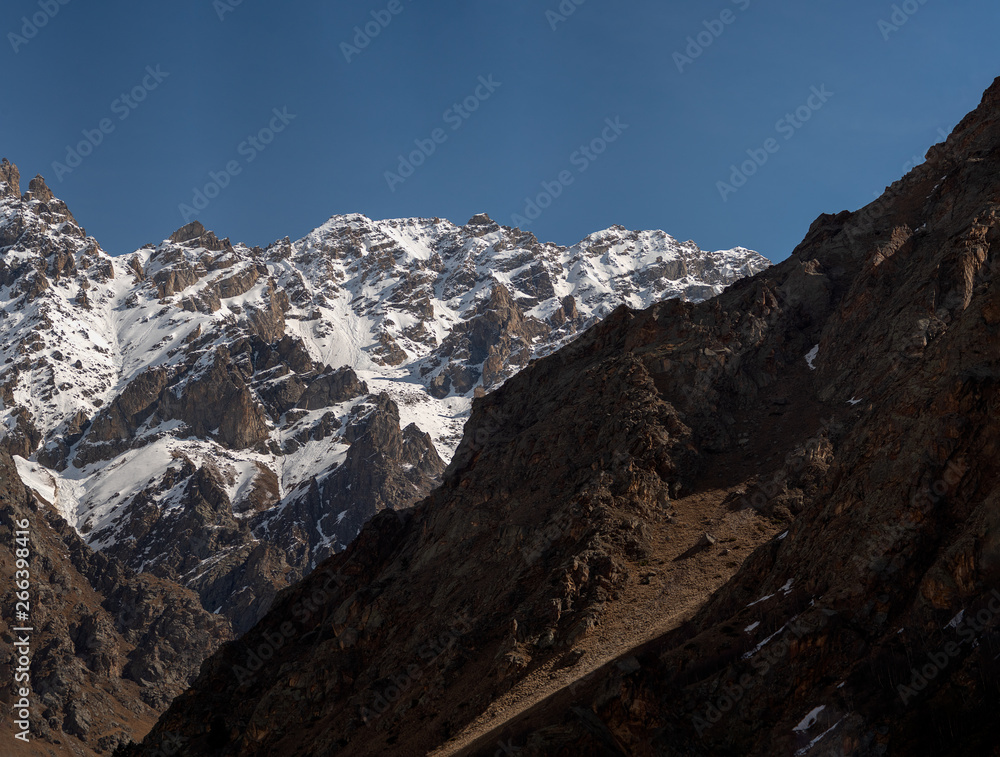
[865,99]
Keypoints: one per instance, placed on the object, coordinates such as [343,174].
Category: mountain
[109,649]
[762,524]
[209,413]
[220,419]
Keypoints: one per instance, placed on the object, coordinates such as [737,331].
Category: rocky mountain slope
[227,417]
[218,419]
[110,648]
[836,414]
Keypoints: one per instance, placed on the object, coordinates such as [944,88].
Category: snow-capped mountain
[226,416]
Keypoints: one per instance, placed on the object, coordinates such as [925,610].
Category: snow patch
[815,741]
[38,479]
[809,720]
[811,357]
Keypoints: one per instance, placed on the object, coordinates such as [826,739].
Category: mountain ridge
[841,405]
[220,418]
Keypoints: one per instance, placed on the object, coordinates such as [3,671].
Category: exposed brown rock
[195,235]
[331,388]
[496,336]
[25,437]
[37,190]
[218,403]
[386,467]
[10,180]
[177,279]
[50,208]
[268,322]
[481,225]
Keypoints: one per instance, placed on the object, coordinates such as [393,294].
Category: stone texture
[217,403]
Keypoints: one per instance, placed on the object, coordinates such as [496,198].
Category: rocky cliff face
[884,641]
[835,416]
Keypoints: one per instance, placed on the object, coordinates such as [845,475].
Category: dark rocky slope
[886,471]
[194,402]
[891,623]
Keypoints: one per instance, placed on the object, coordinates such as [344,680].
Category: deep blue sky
[891,99]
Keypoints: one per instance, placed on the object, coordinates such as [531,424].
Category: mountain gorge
[207,422]
[766,523]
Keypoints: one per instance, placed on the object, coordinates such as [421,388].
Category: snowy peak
[396,295]
[59,359]
[198,404]
[413,279]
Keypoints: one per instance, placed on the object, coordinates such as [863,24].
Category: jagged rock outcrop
[331,388]
[493,333]
[385,468]
[196,236]
[217,403]
[497,336]
[10,180]
[131,408]
[214,350]
[47,205]
[884,641]
[202,544]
